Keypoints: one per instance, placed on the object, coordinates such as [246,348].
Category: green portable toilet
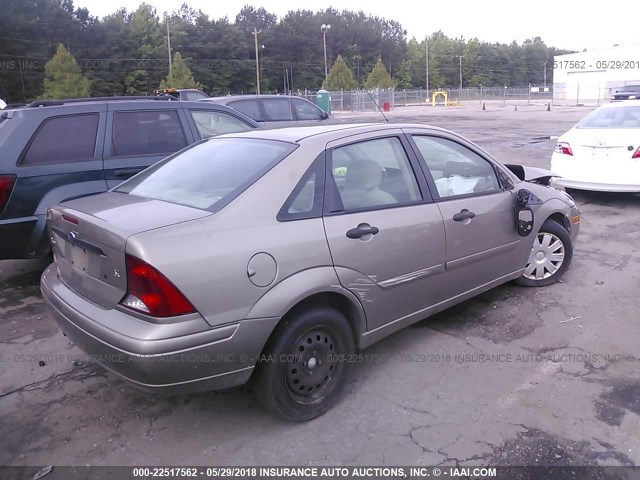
[323,100]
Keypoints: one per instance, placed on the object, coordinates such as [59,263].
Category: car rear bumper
[212,359]
[597,186]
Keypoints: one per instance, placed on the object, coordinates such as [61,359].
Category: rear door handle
[463,215]
[127,172]
[362,230]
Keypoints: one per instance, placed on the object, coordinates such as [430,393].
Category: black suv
[54,151]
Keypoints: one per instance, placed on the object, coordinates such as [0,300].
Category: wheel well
[331,299]
[561,220]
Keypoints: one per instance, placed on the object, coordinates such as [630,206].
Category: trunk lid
[89,237]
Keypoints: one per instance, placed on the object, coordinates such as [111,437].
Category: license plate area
[79,258]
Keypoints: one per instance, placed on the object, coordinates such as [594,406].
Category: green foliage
[179,75]
[64,78]
[379,77]
[340,77]
[126,52]
[403,75]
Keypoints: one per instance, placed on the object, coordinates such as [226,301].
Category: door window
[147,132]
[455,169]
[277,109]
[71,138]
[210,123]
[249,107]
[372,174]
[305,110]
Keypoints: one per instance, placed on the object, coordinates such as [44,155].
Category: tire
[542,269]
[303,368]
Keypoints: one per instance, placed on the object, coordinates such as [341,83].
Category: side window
[194,96]
[305,110]
[306,199]
[210,123]
[147,132]
[455,169]
[277,109]
[372,174]
[70,138]
[248,107]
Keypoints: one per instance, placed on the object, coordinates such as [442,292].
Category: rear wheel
[304,367]
[549,258]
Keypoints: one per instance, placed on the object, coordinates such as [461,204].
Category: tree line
[127,53]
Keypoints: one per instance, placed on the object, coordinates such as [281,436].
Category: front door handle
[463,215]
[127,172]
[362,230]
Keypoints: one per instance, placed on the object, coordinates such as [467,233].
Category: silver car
[272,255]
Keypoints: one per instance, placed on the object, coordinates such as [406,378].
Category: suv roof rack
[51,103]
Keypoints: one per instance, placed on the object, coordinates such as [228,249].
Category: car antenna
[378,107]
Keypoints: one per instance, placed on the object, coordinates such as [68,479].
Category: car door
[385,234]
[478,212]
[141,135]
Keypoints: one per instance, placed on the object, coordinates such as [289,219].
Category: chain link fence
[371,100]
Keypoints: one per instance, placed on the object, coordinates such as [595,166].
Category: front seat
[362,186]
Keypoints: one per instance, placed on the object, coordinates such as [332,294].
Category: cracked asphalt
[516,376]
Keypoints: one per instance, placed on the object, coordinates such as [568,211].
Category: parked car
[276,110]
[270,255]
[57,150]
[190,94]
[628,92]
[602,152]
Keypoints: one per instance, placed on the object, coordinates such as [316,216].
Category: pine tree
[403,75]
[63,77]
[379,77]
[340,76]
[179,75]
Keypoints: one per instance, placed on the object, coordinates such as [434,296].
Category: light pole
[324,28]
[460,57]
[545,75]
[255,35]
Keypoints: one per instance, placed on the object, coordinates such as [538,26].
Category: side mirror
[524,214]
[525,221]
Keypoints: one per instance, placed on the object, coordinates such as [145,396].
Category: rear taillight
[150,292]
[564,148]
[636,154]
[6,185]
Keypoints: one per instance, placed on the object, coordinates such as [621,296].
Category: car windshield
[621,117]
[209,174]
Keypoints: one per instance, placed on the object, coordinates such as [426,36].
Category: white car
[602,152]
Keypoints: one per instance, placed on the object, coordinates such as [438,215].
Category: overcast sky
[570,24]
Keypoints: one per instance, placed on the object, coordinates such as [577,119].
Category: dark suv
[54,151]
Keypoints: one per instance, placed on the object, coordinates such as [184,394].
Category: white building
[591,76]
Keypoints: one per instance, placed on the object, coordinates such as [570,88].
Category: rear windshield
[209,174]
[621,117]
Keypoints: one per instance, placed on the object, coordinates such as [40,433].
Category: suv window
[210,123]
[147,132]
[194,95]
[277,109]
[373,173]
[248,107]
[455,169]
[70,138]
[305,110]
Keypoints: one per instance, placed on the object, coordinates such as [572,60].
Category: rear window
[70,138]
[209,174]
[620,117]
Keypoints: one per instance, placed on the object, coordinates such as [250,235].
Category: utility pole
[460,57]
[426,57]
[255,35]
[545,74]
[323,29]
[169,43]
